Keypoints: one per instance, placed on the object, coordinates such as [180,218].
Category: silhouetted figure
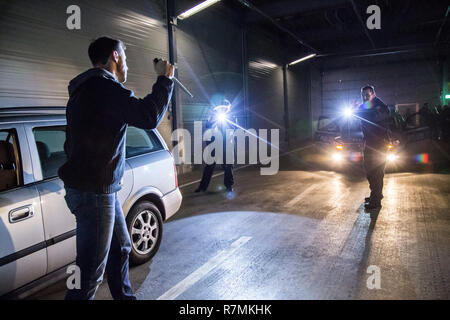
[217,121]
[374,116]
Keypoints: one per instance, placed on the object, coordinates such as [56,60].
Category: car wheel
[144,223]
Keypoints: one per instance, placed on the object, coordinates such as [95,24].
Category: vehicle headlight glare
[337,156]
[391,157]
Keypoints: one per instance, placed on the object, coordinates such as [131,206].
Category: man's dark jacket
[98,113]
[374,122]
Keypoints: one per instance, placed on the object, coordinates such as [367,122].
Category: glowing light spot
[348,112]
[221,117]
[367,105]
[337,156]
[355,157]
[391,157]
[230,195]
[422,158]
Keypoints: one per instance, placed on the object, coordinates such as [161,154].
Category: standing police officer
[374,115]
[218,121]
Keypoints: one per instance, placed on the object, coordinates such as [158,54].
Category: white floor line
[212,263]
[303,194]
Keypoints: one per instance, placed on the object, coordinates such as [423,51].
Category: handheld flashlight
[156,60]
[221,116]
[348,112]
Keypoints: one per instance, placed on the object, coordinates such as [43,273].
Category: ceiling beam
[363,25]
[442,26]
[278,25]
[285,8]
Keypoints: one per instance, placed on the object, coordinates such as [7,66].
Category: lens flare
[422,158]
[355,157]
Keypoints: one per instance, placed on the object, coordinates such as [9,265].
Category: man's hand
[164,68]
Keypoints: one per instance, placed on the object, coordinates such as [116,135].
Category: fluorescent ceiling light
[197,8]
[262,64]
[302,59]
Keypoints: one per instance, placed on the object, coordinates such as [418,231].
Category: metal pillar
[245,77]
[171,29]
[286,104]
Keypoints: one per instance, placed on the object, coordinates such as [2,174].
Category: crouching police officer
[374,116]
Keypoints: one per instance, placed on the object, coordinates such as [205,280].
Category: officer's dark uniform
[209,169]
[374,124]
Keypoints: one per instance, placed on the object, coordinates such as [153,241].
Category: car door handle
[21,213]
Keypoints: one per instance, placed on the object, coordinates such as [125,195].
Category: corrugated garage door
[39,55]
[209,47]
[266,98]
[299,103]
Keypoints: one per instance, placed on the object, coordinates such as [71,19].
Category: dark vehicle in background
[339,142]
[415,142]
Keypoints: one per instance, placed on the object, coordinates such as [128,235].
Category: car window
[139,141]
[10,165]
[50,146]
[326,124]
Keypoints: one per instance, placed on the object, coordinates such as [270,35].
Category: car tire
[145,227]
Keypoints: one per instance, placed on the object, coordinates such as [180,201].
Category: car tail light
[174,170]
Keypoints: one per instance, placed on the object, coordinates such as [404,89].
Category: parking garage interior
[302,233]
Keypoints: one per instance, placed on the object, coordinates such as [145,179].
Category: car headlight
[337,156]
[391,157]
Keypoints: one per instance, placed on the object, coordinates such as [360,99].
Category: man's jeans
[374,165]
[102,243]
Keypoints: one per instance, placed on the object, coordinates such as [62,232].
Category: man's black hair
[101,49]
[368,87]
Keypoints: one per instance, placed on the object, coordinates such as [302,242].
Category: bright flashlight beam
[197,8]
[302,59]
[252,134]
[348,112]
[374,124]
[221,116]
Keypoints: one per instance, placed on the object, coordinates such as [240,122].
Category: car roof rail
[32,111]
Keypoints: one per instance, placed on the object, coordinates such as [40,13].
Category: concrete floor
[301,235]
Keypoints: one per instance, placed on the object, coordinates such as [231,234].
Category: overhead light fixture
[303,59]
[197,8]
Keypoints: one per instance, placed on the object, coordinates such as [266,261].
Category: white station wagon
[37,230]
